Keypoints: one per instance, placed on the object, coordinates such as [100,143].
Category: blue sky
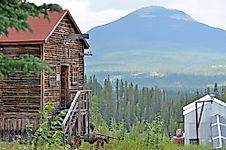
[90,13]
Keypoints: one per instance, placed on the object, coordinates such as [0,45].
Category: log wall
[58,53]
[20,94]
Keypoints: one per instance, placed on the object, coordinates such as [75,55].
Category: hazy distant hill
[160,41]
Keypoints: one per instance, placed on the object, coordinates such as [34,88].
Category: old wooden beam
[74,36]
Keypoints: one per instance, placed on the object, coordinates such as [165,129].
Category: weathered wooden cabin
[21,97]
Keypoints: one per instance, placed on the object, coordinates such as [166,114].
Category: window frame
[219,126]
[52,76]
[75,75]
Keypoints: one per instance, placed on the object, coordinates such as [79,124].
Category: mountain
[158,40]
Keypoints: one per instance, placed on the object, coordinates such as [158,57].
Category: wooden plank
[1,123]
[76,36]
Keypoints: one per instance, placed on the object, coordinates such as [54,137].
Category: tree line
[126,103]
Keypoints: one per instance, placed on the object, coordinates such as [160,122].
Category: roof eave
[75,25]
[21,42]
[77,28]
[54,28]
[191,107]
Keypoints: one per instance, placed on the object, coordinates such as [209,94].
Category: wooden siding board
[18,50]
[1,100]
[42,82]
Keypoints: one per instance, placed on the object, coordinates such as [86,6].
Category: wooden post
[42,78]
[74,36]
[196,123]
[87,113]
[79,117]
[70,128]
[1,102]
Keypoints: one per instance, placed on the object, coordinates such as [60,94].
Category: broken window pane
[214,119]
[223,131]
[214,131]
[216,143]
[222,119]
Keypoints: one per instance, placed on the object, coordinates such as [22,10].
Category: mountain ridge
[158,39]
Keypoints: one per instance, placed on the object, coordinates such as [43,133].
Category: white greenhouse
[204,122]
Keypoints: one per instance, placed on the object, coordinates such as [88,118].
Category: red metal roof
[41,27]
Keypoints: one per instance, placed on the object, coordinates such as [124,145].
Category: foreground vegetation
[127,113]
[138,119]
[140,136]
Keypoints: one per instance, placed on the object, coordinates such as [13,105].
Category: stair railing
[70,117]
[74,119]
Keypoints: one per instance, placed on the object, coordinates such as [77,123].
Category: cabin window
[75,76]
[1,49]
[52,76]
[68,52]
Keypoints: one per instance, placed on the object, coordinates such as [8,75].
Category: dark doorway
[64,86]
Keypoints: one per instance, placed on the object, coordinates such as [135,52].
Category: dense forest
[121,102]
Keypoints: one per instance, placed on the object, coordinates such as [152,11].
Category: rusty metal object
[178,139]
[100,144]
[75,142]
[100,139]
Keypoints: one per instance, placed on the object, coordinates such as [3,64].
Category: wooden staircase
[76,121]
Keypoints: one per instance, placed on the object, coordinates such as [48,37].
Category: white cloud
[101,5]
[90,13]
[211,12]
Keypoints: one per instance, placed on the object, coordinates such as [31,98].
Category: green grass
[113,145]
[128,145]
[13,146]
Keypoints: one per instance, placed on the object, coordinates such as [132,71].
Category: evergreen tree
[14,14]
[208,90]
[223,93]
[137,102]
[28,64]
[137,105]
[96,117]
[117,101]
[108,108]
[215,90]
[197,94]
